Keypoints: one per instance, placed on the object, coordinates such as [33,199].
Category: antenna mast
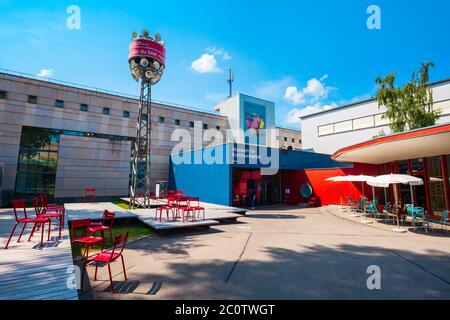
[230,81]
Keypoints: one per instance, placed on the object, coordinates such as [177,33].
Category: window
[363,123]
[161,119]
[177,122]
[145,117]
[285,139]
[380,121]
[38,157]
[300,141]
[106,111]
[59,104]
[343,126]
[83,107]
[326,129]
[293,140]
[3,94]
[126,114]
[436,183]
[205,126]
[32,99]
[191,124]
[218,128]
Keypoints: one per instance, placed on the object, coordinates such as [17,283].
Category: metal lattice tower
[141,163]
[147,63]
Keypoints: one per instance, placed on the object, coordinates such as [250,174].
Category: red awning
[426,142]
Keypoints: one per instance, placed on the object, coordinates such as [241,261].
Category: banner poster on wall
[255,123]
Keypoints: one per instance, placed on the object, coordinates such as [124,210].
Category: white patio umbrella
[352,178]
[386,180]
[338,179]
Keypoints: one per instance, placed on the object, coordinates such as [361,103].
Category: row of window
[293,140]
[371,121]
[106,111]
[177,122]
[125,114]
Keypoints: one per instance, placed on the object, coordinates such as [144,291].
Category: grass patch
[121,203]
[136,230]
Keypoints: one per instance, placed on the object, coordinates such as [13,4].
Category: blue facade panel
[207,173]
[199,178]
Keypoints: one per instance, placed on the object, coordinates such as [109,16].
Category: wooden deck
[28,272]
[213,215]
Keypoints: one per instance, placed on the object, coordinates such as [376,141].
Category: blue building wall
[210,182]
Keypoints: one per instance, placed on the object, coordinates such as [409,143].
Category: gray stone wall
[92,162]
[15,112]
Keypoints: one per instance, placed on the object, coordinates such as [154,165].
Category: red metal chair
[22,204]
[312,202]
[43,213]
[86,238]
[52,207]
[186,208]
[108,257]
[89,192]
[194,203]
[105,224]
[171,206]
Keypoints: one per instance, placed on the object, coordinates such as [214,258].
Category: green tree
[411,106]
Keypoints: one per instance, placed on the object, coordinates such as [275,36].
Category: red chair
[52,207]
[108,257]
[86,238]
[22,204]
[89,192]
[104,225]
[186,208]
[312,202]
[171,206]
[43,213]
[194,203]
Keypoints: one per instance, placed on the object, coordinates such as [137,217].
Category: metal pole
[141,164]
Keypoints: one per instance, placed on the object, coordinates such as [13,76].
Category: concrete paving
[282,253]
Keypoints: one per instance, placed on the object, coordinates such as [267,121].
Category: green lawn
[135,230]
[120,203]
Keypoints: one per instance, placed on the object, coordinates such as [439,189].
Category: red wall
[328,192]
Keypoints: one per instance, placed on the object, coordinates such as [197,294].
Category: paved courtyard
[282,253]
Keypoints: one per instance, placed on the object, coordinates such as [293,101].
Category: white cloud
[45,73]
[293,95]
[207,63]
[293,116]
[315,90]
[219,52]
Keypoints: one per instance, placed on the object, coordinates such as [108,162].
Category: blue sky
[305,56]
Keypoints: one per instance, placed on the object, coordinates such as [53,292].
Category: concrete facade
[108,159]
[328,131]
